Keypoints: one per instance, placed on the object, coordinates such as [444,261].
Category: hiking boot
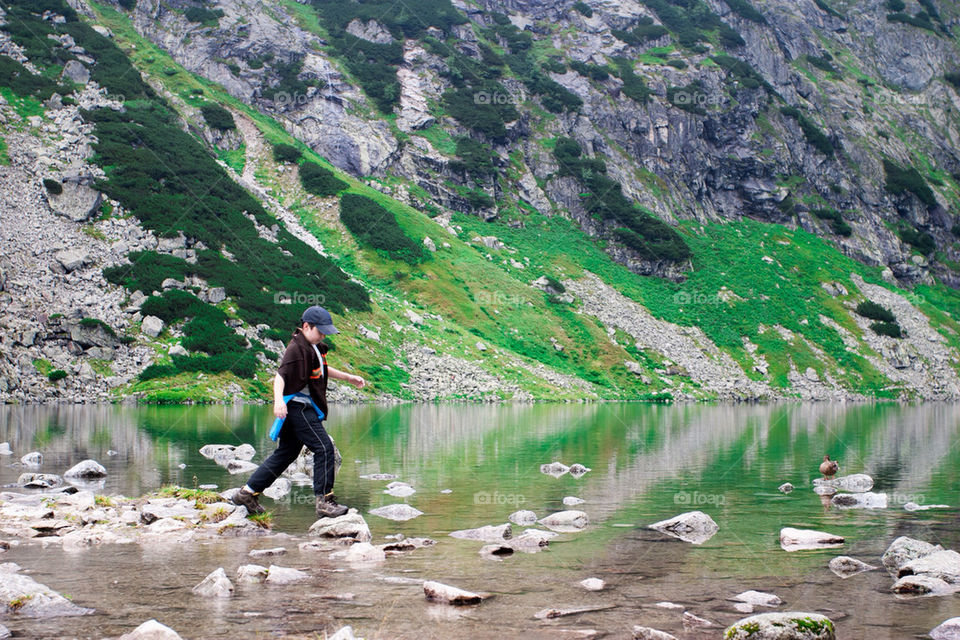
[249,500]
[327,507]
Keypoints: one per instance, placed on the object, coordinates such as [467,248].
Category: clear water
[649,463]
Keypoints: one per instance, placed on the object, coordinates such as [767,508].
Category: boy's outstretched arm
[279,407]
[356,381]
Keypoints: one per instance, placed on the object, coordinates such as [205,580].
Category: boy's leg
[310,431]
[288,448]
[315,437]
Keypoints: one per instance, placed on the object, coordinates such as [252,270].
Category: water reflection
[648,463]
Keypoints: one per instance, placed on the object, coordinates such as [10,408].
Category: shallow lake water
[648,463]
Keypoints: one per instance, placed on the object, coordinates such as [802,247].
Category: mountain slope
[523,270]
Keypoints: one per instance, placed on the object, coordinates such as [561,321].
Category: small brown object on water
[828,467]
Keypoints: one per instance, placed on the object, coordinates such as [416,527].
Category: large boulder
[22,596]
[77,202]
[151,326]
[215,585]
[152,630]
[350,526]
[251,574]
[285,575]
[803,539]
[86,469]
[943,564]
[922,585]
[73,259]
[782,626]
[947,630]
[695,527]
[905,549]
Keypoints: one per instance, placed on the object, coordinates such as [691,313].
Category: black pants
[301,427]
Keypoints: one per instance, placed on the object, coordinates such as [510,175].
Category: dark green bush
[19,79]
[592,71]
[823,63]
[56,374]
[129,5]
[890,329]
[921,20]
[811,131]
[217,117]
[746,10]
[203,15]
[555,284]
[955,229]
[840,226]
[677,63]
[376,227]
[158,371]
[96,322]
[874,311]
[583,8]
[476,158]
[634,86]
[319,180]
[478,109]
[901,180]
[919,240]
[640,34]
[895,5]
[285,153]
[52,186]
[172,305]
[826,8]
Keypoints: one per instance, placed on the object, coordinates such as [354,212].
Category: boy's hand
[280,409]
[358,382]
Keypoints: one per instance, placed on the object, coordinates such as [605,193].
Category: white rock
[5,449]
[854,483]
[947,630]
[399,490]
[488,533]
[801,539]
[593,584]
[572,501]
[522,517]
[694,527]
[285,575]
[32,459]
[845,566]
[152,630]
[398,512]
[868,500]
[251,574]
[39,601]
[923,586]
[792,625]
[215,585]
[566,521]
[379,476]
[279,489]
[86,469]
[913,506]
[445,594]
[905,549]
[758,598]
[361,552]
[943,564]
[265,553]
[351,525]
[244,452]
[241,466]
[649,633]
[555,469]
[211,451]
[344,633]
[693,621]
[151,326]
[786,487]
[577,470]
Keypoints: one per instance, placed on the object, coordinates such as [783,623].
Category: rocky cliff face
[739,156]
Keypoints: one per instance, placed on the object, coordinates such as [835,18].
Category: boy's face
[311,333]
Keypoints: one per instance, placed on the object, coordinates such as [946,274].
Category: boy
[302,376]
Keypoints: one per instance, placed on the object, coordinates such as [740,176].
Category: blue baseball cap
[320,318]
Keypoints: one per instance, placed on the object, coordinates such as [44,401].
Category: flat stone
[568,521]
[550,614]
[152,630]
[398,512]
[265,553]
[555,469]
[695,527]
[845,566]
[593,584]
[488,533]
[947,630]
[867,500]
[522,517]
[446,594]
[285,575]
[905,549]
[577,470]
[922,585]
[943,564]
[649,633]
[361,552]
[351,525]
[37,600]
[805,539]
[854,483]
[782,626]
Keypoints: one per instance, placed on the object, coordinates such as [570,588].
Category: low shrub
[890,329]
[52,186]
[901,180]
[874,311]
[217,117]
[319,180]
[285,153]
[376,227]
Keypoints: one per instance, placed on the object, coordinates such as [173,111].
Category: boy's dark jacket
[299,368]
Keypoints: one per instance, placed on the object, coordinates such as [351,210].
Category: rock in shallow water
[782,626]
[854,483]
[522,517]
[25,597]
[943,564]
[39,480]
[488,533]
[867,500]
[568,521]
[352,526]
[695,527]
[251,574]
[905,549]
[649,633]
[284,575]
[446,594]
[758,598]
[845,566]
[555,469]
[215,585]
[922,585]
[947,630]
[786,487]
[593,584]
[151,630]
[804,539]
[397,512]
